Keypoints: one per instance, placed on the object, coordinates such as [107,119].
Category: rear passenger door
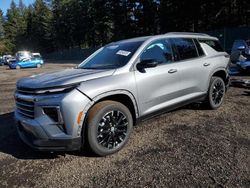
[194,71]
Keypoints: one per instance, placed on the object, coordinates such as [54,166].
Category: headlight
[50,90]
[57,89]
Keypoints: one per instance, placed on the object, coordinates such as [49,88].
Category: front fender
[100,97]
[111,93]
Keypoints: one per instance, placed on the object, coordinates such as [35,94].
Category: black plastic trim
[48,144]
[170,108]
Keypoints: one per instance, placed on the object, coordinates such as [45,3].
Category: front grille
[25,108]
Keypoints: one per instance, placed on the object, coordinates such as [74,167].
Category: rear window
[215,44]
[185,48]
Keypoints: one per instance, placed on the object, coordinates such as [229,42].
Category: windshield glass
[112,56]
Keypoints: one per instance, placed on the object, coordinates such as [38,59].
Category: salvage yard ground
[186,147]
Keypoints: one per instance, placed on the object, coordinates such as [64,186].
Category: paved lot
[186,147]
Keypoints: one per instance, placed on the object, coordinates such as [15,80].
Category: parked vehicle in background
[36,55]
[240,47]
[27,63]
[118,85]
[20,55]
[11,60]
[244,65]
[6,58]
[1,61]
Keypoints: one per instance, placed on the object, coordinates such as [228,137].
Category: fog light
[52,113]
[55,114]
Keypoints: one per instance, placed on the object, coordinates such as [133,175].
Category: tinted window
[199,49]
[185,48]
[213,44]
[160,51]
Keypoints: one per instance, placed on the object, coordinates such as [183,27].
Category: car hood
[61,78]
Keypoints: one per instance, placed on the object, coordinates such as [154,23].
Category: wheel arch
[123,96]
[222,73]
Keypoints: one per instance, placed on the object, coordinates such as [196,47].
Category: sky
[5,4]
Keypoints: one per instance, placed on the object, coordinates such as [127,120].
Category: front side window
[185,48]
[112,56]
[160,51]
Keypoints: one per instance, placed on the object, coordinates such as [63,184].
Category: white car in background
[20,55]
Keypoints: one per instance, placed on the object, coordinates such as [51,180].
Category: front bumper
[31,139]
[41,132]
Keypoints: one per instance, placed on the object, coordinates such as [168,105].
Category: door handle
[206,64]
[172,71]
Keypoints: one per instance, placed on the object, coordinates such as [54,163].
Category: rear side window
[213,44]
[185,48]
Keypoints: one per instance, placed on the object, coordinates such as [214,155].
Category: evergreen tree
[99,31]
[80,21]
[1,25]
[147,15]
[62,23]
[11,26]
[40,26]
[2,42]
[50,25]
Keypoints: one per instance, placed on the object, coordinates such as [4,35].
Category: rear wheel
[109,127]
[18,67]
[216,93]
[38,65]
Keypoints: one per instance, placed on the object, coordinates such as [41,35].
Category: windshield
[112,56]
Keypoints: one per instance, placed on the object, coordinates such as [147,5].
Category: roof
[188,33]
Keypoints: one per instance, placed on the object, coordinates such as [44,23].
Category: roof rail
[187,33]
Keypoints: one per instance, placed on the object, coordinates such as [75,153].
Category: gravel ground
[183,148]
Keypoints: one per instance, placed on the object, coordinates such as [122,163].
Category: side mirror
[147,63]
[241,48]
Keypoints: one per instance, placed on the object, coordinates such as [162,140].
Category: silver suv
[99,102]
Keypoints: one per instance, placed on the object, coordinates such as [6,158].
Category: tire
[38,66]
[109,125]
[18,67]
[216,93]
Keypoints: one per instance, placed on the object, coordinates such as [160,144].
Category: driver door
[158,87]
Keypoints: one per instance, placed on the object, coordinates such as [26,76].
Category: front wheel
[38,65]
[109,127]
[216,93]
